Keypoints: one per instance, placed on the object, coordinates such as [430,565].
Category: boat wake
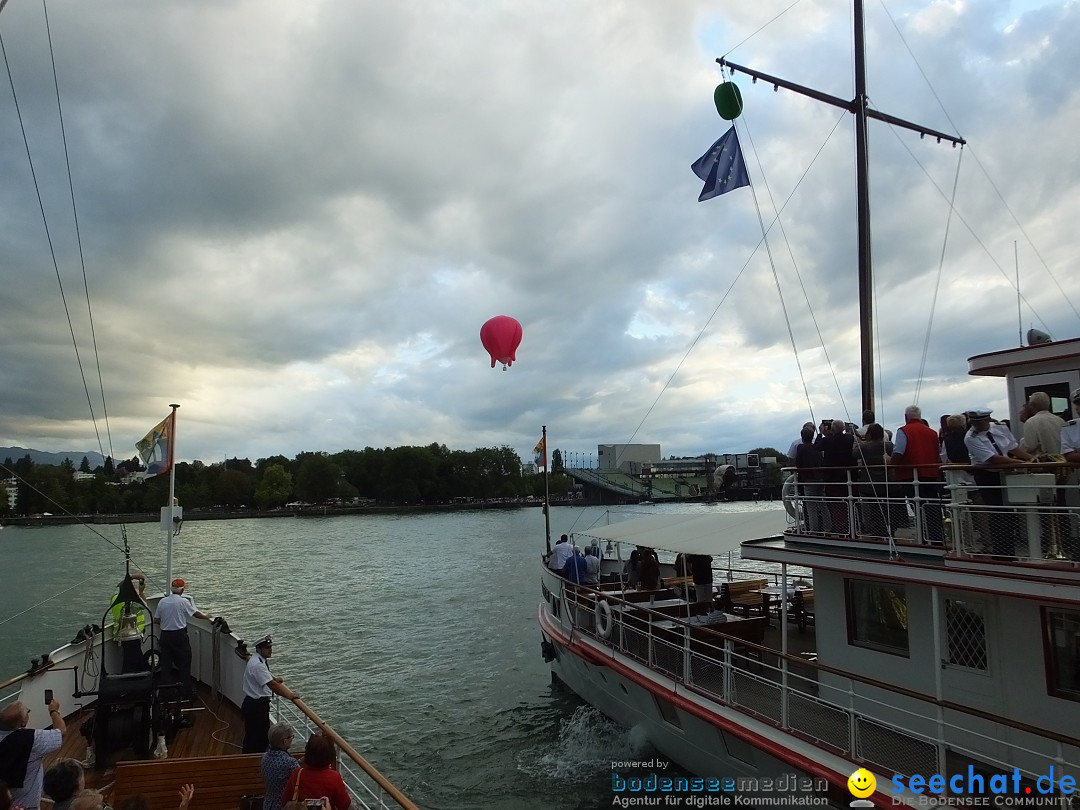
[588,743]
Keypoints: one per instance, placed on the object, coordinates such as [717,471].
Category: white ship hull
[740,755]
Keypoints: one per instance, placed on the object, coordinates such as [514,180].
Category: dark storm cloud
[296,217]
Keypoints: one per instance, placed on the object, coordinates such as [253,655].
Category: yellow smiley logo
[861,783]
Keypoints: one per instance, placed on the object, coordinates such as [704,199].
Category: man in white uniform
[1070,433]
[993,449]
[173,613]
[259,685]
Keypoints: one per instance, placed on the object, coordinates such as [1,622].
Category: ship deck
[218,730]
[802,643]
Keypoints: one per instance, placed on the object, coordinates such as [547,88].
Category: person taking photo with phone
[22,750]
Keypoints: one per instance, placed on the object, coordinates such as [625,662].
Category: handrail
[906,730]
[855,465]
[725,660]
[954,513]
[900,690]
[24,675]
[354,755]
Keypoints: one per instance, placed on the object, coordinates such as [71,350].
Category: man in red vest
[916,456]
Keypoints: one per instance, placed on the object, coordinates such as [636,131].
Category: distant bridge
[607,486]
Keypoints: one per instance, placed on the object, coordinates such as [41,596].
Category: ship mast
[859,107]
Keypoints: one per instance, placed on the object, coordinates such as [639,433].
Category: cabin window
[1056,389]
[877,616]
[1062,642]
[965,634]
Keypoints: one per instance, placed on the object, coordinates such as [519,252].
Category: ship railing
[722,573]
[368,787]
[894,729]
[1028,513]
[867,503]
[214,662]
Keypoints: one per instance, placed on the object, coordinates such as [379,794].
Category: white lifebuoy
[787,494]
[604,621]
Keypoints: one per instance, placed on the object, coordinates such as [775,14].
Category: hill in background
[55,459]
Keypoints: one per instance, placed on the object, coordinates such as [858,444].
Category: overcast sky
[295,217]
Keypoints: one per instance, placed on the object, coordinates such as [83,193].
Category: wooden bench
[676,582]
[708,639]
[220,782]
[742,594]
[639,617]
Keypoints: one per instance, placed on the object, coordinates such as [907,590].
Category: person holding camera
[22,750]
[259,686]
[316,778]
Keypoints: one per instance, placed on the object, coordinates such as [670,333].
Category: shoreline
[242,514]
[335,511]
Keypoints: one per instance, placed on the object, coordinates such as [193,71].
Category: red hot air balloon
[501,337]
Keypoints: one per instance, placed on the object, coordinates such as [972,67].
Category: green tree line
[392,476]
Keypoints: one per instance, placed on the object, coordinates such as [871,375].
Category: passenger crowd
[908,466]
[574,563]
[288,783]
[640,572]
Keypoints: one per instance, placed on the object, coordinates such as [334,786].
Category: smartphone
[48,697]
[313,803]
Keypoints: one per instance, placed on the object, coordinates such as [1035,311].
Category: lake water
[414,635]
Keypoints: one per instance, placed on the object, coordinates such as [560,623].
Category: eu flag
[722,167]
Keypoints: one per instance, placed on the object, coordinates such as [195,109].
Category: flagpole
[169,513]
[547,497]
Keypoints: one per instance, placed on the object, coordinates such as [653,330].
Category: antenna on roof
[1019,322]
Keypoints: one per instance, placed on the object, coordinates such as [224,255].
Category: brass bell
[129,628]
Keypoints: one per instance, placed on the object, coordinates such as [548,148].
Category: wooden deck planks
[218,731]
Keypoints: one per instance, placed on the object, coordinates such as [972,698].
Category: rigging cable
[755,33]
[1016,221]
[95,577]
[81,522]
[48,232]
[795,265]
[55,263]
[14,474]
[727,292]
[937,282]
[989,180]
[970,229]
[78,239]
